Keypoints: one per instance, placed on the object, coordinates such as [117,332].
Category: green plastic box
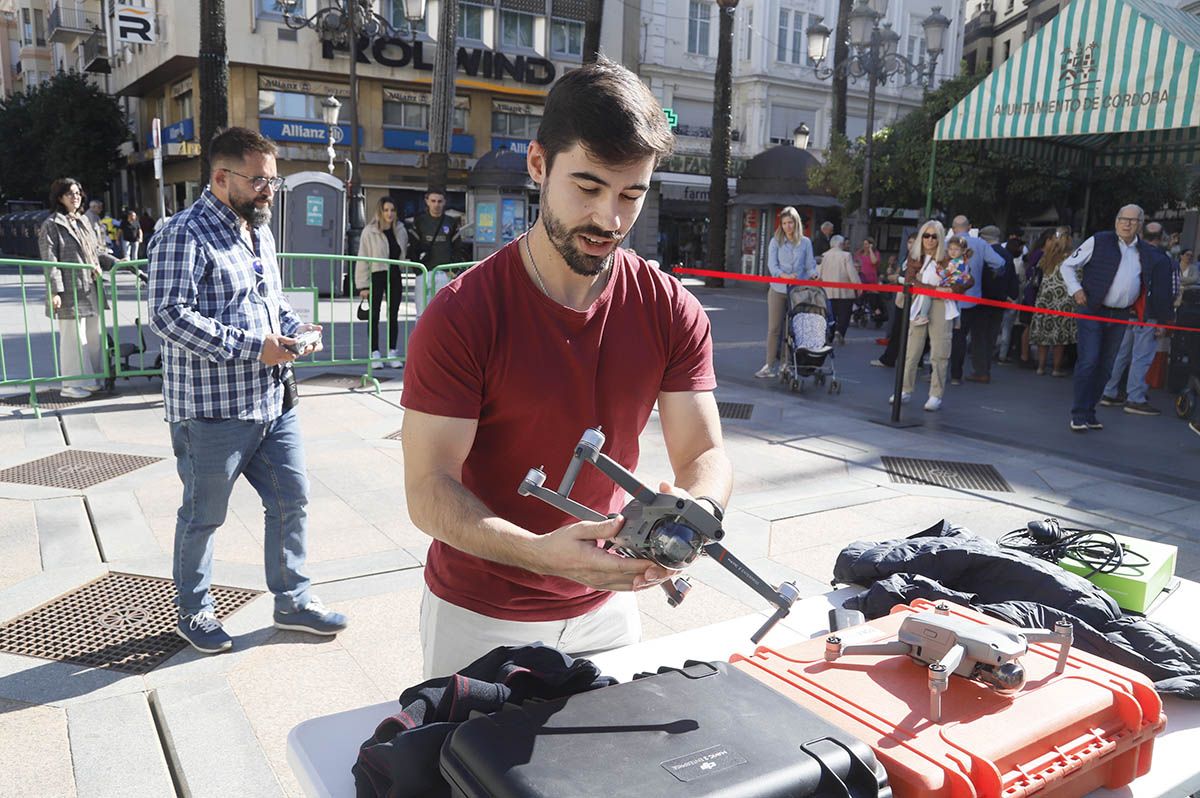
[1133,586]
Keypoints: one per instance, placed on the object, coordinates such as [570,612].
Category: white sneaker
[74,393]
[394,361]
[933,404]
[905,398]
[376,359]
[767,372]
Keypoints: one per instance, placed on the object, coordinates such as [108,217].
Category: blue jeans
[1137,351]
[1097,343]
[210,455]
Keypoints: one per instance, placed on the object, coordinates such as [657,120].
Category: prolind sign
[135,24]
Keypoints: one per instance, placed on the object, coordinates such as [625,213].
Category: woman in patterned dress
[1049,332]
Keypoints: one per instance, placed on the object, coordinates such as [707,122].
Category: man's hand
[364,294]
[56,302]
[1079,297]
[273,351]
[571,552]
[319,344]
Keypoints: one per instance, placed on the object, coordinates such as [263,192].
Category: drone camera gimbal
[668,530]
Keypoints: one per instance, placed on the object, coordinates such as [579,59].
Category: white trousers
[79,350]
[453,637]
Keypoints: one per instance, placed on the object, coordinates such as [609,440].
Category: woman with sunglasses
[384,237]
[925,258]
[68,236]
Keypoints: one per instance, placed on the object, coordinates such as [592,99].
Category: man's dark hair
[433,191]
[235,143]
[59,187]
[605,108]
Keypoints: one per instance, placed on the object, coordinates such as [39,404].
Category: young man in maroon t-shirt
[557,332]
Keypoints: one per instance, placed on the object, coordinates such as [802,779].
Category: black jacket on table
[948,562]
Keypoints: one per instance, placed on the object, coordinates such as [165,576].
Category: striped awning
[1111,82]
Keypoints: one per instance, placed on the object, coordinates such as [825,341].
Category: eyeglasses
[74,192]
[259,183]
[928,235]
[1128,219]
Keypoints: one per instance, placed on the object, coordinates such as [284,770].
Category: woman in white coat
[377,282]
[836,267]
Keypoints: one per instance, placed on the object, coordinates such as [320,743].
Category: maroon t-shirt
[491,346]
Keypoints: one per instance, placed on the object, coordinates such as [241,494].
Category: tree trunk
[214,79]
[841,51]
[591,31]
[718,195]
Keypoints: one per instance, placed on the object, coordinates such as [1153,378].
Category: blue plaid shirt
[213,301]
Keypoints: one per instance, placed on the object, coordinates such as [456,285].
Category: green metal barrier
[30,342]
[32,348]
[440,276]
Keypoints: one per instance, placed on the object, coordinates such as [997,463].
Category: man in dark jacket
[1107,276]
[435,233]
[820,242]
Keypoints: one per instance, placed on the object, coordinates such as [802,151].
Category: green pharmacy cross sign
[671,117]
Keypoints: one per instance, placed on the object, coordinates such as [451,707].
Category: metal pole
[718,196]
[929,186]
[441,100]
[1087,200]
[873,76]
[901,351]
[357,206]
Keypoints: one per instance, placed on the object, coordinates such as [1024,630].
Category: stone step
[65,533]
[115,749]
[121,526]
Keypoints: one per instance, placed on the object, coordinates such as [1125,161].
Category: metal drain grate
[944,473]
[122,622]
[395,436]
[734,410]
[47,400]
[75,468]
[330,379]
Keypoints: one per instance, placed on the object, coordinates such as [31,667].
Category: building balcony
[95,54]
[980,26]
[70,23]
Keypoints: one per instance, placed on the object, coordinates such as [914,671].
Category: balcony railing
[68,23]
[95,54]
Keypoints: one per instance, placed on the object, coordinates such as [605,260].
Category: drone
[668,530]
[952,645]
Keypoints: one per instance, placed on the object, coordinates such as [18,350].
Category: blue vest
[1101,269]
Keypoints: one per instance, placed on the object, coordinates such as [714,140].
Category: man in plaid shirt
[217,303]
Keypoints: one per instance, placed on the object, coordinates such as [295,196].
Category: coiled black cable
[1049,540]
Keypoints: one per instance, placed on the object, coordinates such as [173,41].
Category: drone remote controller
[303,341]
[665,529]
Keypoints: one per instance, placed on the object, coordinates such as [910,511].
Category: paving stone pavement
[809,479]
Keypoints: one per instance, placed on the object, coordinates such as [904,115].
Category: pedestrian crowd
[1134,271]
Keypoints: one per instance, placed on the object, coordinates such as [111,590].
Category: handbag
[364,309]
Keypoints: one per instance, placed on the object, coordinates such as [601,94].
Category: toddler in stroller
[807,330]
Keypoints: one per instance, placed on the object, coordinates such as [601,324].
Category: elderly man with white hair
[1106,277]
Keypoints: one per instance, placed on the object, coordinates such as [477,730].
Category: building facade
[509,54]
[775,89]
[41,37]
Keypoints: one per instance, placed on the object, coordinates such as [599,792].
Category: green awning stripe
[1098,25]
[1148,43]
[1028,79]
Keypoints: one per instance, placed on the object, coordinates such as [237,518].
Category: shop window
[699,20]
[516,30]
[515,126]
[290,105]
[566,38]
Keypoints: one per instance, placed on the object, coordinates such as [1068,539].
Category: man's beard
[564,241]
[254,215]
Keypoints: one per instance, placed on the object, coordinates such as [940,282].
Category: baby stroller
[808,354]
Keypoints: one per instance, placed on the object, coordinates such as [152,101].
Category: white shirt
[1126,284]
[930,277]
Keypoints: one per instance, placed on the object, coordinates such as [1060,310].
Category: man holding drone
[558,331]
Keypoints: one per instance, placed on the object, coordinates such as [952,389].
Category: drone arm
[887,649]
[588,449]
[782,599]
[939,680]
[1063,634]
[532,486]
[628,482]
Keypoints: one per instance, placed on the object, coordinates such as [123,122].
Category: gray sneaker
[314,619]
[204,632]
[1142,409]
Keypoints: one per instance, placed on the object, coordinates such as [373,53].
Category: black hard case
[705,730]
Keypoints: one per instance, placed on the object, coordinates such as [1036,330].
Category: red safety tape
[895,289]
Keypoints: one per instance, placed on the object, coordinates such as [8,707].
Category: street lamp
[330,108]
[800,137]
[348,24]
[874,57]
[718,194]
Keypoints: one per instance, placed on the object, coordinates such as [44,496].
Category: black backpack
[1002,285]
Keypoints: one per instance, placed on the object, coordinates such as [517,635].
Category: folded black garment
[401,758]
[948,562]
